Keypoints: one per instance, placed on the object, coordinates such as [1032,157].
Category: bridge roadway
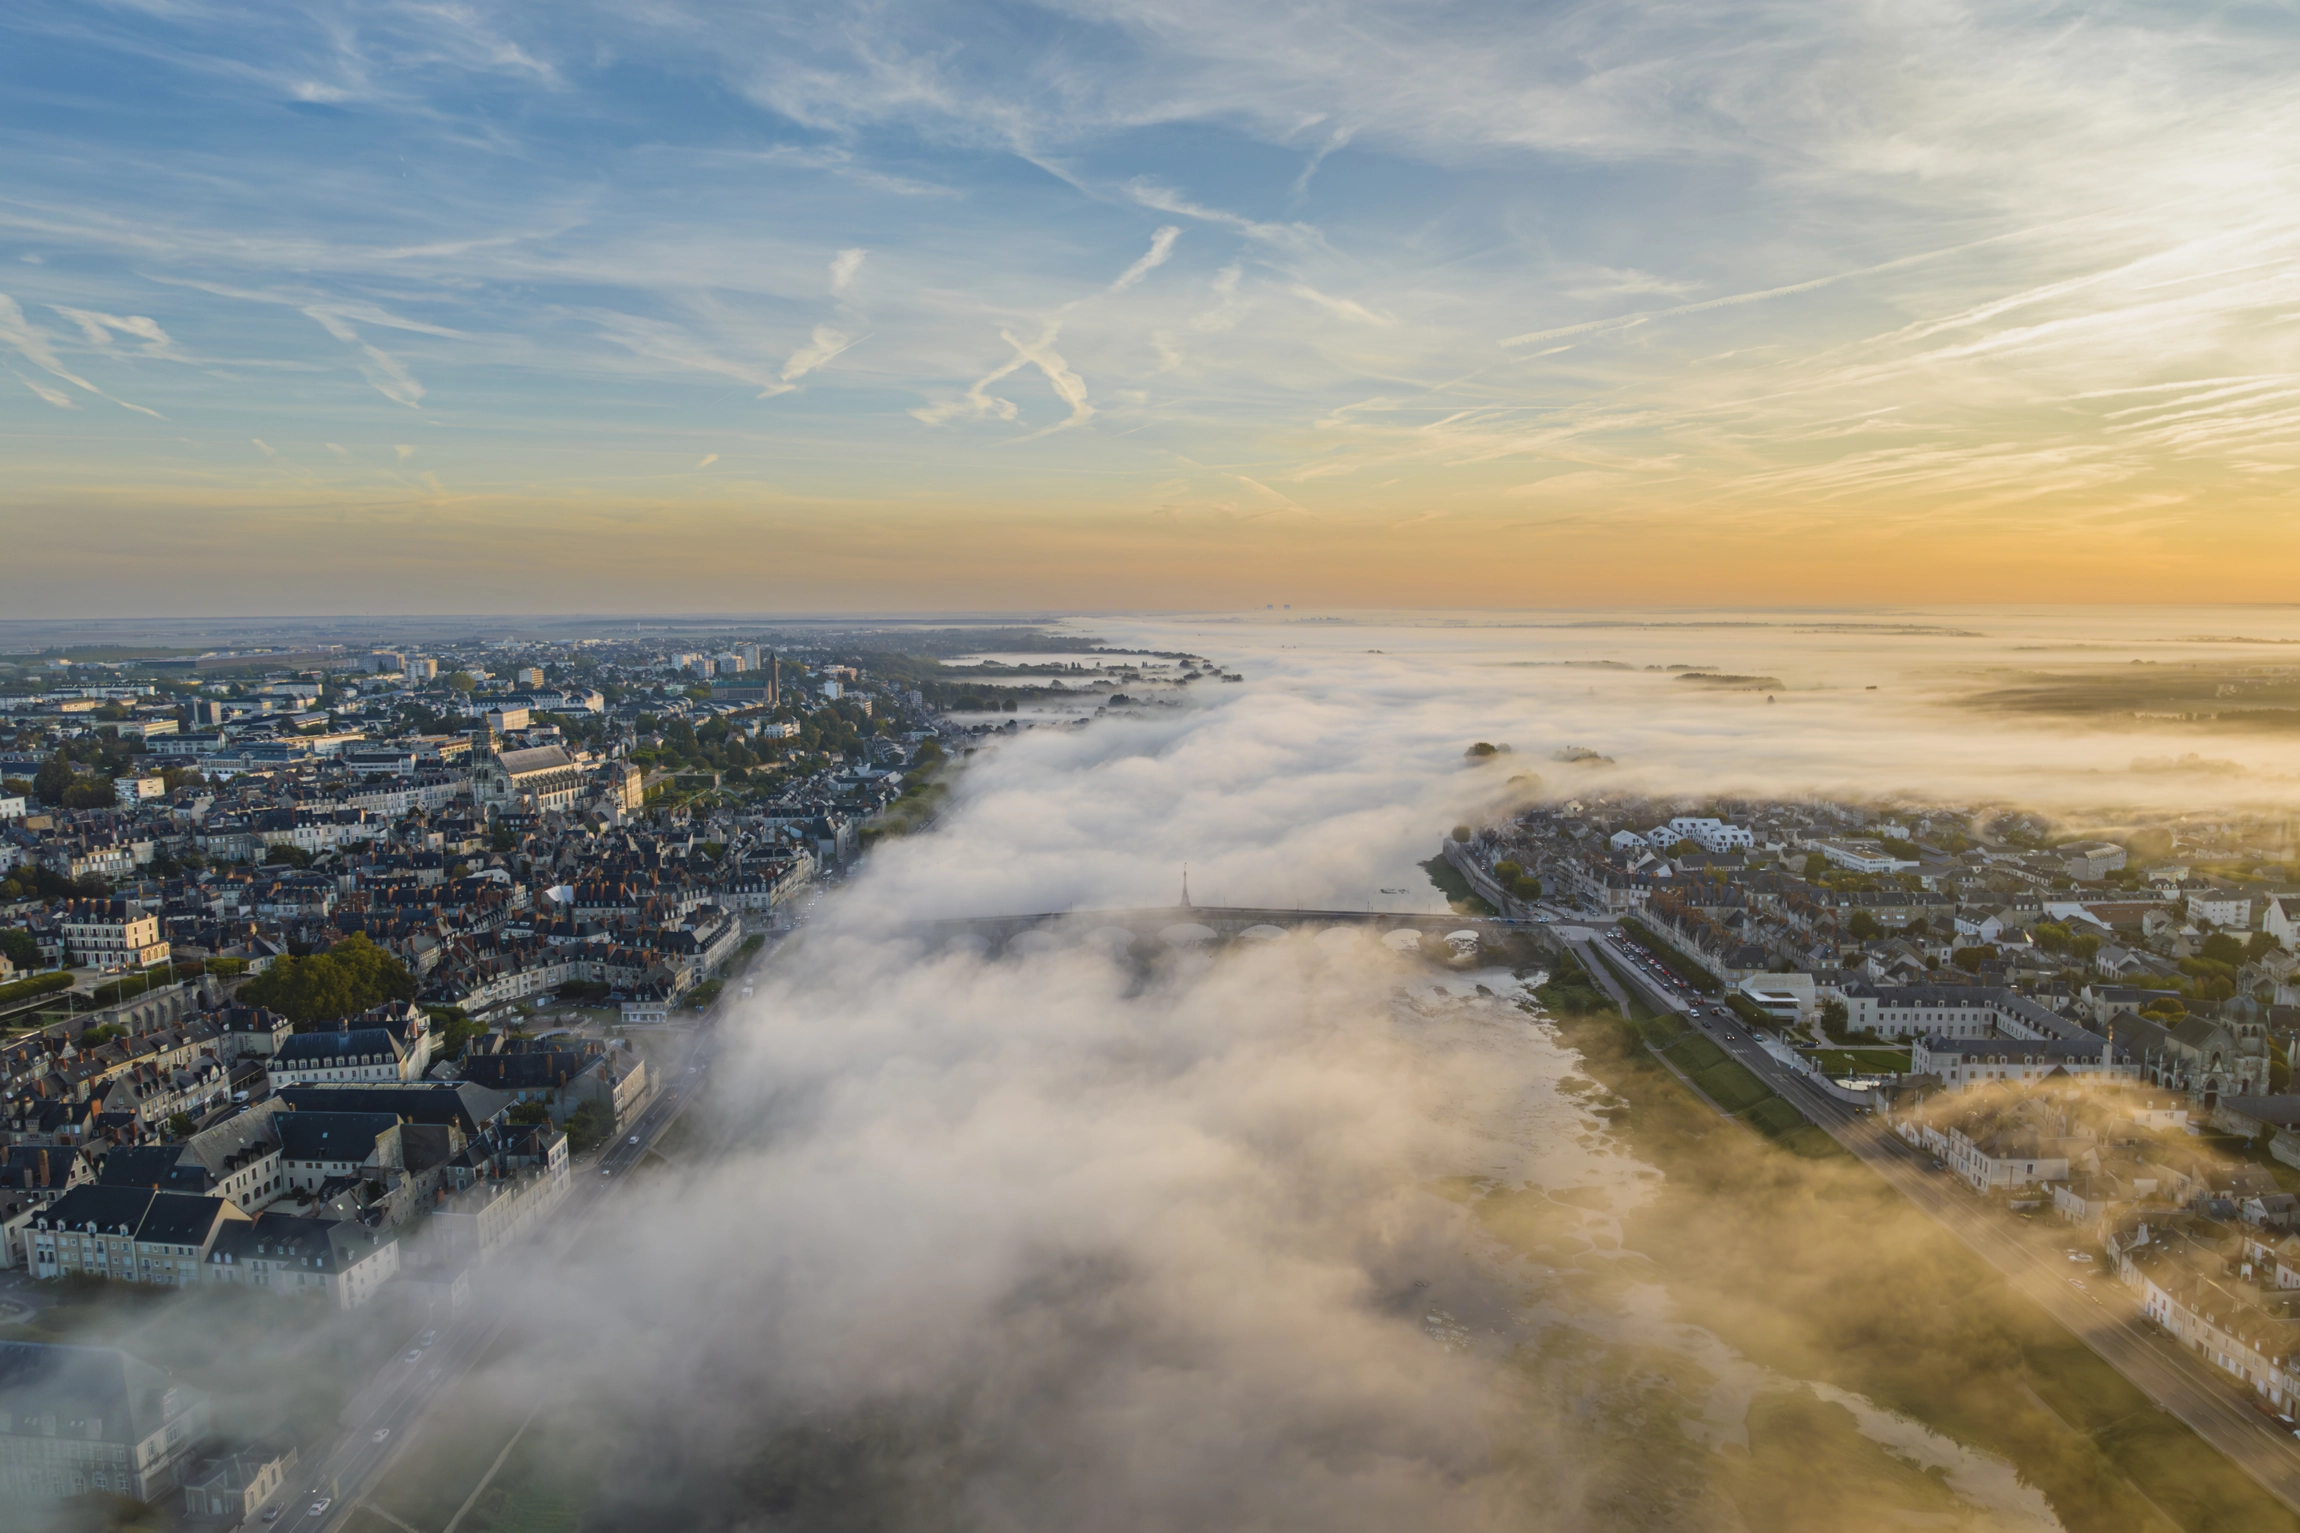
[2100,1313]
[1223,920]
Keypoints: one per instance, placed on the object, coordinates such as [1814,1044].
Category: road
[395,1399]
[2096,1309]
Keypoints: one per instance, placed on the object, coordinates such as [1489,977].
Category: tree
[281,854]
[1863,927]
[1461,833]
[1816,868]
[1833,1019]
[181,1126]
[1507,872]
[464,682]
[58,777]
[22,951]
[53,778]
[2222,947]
[588,1127]
[530,1112]
[451,1029]
[1480,751]
[1970,959]
[88,793]
[349,977]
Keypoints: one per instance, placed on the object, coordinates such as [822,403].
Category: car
[413,1353]
[605,1171]
[319,1508]
[273,1515]
[2079,1287]
[634,1138]
[427,1338]
[381,1434]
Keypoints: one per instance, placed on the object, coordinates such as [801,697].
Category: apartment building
[342,1261]
[366,1056]
[112,934]
[127,1234]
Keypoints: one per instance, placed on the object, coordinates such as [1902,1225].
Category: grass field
[1728,1083]
[544,1484]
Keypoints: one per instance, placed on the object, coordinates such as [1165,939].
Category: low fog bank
[1073,1240]
[1056,1242]
[1867,704]
[1334,769]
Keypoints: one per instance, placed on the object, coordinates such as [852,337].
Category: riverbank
[1799,1260]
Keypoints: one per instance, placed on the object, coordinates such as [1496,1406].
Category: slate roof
[152,1167]
[322,1050]
[320,1135]
[177,1218]
[282,1237]
[460,1103]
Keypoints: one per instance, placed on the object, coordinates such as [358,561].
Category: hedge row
[37,985]
[129,986]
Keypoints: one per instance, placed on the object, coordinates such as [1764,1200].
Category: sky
[986,306]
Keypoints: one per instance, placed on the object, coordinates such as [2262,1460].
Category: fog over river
[1065,1240]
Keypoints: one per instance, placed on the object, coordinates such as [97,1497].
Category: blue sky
[971,304]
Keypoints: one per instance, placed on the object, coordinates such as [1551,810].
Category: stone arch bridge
[1189,925]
